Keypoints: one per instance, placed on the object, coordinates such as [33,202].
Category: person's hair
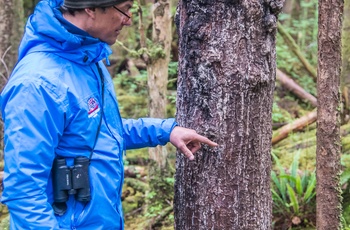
[69,10]
[72,11]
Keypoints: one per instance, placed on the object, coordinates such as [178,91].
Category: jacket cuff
[167,127]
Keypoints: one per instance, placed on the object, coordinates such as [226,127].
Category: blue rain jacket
[51,107]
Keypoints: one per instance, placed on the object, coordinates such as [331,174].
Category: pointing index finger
[205,140]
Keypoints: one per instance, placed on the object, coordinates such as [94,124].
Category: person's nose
[127,21]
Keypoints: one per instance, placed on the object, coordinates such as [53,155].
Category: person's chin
[111,41]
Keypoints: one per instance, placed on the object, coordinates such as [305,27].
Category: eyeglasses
[122,12]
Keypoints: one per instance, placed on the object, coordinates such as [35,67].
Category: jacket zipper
[102,88]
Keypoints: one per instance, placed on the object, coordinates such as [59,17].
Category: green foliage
[345,182]
[132,85]
[5,223]
[132,94]
[279,115]
[345,176]
[133,47]
[293,194]
[160,196]
[303,27]
[172,74]
[153,51]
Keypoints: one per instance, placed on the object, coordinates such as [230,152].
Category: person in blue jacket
[59,108]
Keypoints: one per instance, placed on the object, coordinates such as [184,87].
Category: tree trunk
[226,80]
[288,9]
[328,151]
[11,31]
[157,69]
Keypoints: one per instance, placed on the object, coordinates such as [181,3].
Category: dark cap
[82,4]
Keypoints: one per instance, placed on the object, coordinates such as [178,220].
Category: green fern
[293,192]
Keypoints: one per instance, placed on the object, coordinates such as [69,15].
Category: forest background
[294,140]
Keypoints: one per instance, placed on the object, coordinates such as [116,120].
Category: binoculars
[70,180]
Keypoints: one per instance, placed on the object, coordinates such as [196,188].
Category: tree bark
[226,81]
[328,212]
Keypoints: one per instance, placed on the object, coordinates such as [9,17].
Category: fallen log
[296,125]
[304,143]
[156,221]
[293,87]
[307,139]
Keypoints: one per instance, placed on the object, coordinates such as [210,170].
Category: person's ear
[91,12]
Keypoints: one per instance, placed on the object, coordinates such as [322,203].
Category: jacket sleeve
[147,132]
[33,125]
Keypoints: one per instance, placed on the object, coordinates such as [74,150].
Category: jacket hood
[44,32]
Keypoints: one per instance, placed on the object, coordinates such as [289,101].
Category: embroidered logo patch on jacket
[93,107]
